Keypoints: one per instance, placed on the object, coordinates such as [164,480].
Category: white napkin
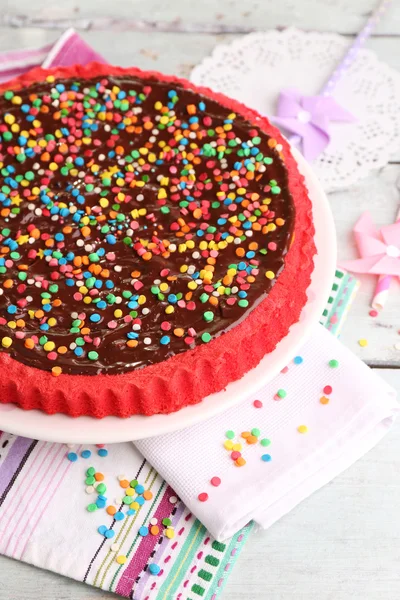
[361,408]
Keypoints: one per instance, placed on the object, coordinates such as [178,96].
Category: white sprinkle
[118,500]
[147,341]
[89,489]
[114,547]
[145,311]
[121,478]
[117,268]
[173,500]
[80,243]
[153,521]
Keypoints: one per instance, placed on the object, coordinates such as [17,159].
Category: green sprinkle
[206,337]
[92,355]
[91,471]
[166,522]
[134,483]
[265,442]
[230,434]
[91,507]
[208,316]
[256,432]
[333,363]
[101,488]
[243,303]
[90,480]
[127,500]
[281,393]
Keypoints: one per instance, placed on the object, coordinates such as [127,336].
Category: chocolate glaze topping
[138,219]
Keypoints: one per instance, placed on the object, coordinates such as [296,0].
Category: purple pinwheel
[308,117]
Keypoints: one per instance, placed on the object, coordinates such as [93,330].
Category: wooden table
[344,541]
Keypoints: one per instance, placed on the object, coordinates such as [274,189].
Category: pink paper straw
[382,287]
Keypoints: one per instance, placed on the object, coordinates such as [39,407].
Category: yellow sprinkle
[169,309]
[118,313]
[49,346]
[302,429]
[237,447]
[228,445]
[134,506]
[270,275]
[6,342]
[363,342]
[121,560]
[169,533]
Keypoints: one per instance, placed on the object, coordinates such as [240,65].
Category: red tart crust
[188,377]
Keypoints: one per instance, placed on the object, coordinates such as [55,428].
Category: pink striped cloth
[69,49]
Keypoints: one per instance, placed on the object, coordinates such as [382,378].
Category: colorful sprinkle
[215,481]
[302,429]
[203,497]
[333,363]
[257,404]
[266,457]
[72,456]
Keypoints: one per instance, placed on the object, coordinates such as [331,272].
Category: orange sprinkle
[62,350]
[56,371]
[154,530]
[245,434]
[147,495]
[8,283]
[240,462]
[29,343]
[111,510]
[124,483]
[251,439]
[179,332]
[99,476]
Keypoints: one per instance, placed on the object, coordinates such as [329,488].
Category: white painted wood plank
[199,15]
[343,542]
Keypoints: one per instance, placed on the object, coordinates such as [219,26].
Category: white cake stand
[61,428]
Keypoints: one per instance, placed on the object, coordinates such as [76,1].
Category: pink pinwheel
[308,117]
[379,249]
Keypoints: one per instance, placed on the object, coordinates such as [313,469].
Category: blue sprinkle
[143,531]
[79,162]
[95,317]
[102,304]
[102,529]
[266,457]
[102,452]
[119,516]
[154,569]
[109,533]
[86,454]
[100,503]
[72,456]
[140,500]
[165,340]
[12,309]
[78,350]
[131,512]
[139,489]
[111,239]
[298,360]
[172,299]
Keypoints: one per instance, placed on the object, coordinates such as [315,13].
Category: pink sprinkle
[328,389]
[110,256]
[272,246]
[235,455]
[192,332]
[373,313]
[52,355]
[334,319]
[285,370]
[20,335]
[215,481]
[164,272]
[112,324]
[203,497]
[165,326]
[257,404]
[96,342]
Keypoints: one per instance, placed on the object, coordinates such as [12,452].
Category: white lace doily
[255,67]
